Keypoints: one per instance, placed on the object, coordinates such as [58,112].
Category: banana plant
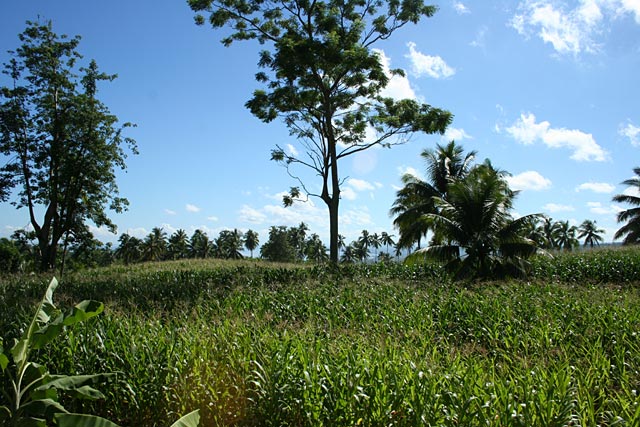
[31,394]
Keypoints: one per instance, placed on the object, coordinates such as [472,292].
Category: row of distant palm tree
[158,246]
[550,234]
[359,249]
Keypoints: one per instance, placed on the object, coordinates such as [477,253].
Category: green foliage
[30,393]
[480,239]
[606,265]
[62,144]
[323,77]
[255,344]
[10,258]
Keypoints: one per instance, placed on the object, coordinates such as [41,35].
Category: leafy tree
[444,165]
[590,232]
[88,252]
[278,248]
[10,258]
[324,79]
[484,241]
[251,241]
[62,143]
[25,242]
[631,230]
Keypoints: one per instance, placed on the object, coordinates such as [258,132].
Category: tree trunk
[333,229]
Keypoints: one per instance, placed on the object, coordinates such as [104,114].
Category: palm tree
[348,255]
[316,250]
[251,241]
[590,232]
[443,165]
[154,246]
[178,247]
[229,244]
[375,243]
[298,236]
[387,240]
[129,249]
[360,250]
[364,241]
[631,230]
[199,245]
[565,235]
[483,239]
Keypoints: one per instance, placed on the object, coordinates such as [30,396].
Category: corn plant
[31,395]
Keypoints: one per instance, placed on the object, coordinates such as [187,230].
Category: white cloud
[213,218]
[574,30]
[529,180]
[251,215]
[567,31]
[360,184]
[292,150]
[356,218]
[455,134]
[597,187]
[597,208]
[433,66]
[169,212]
[555,207]
[632,132]
[192,208]
[139,232]
[526,131]
[460,8]
[398,86]
[102,231]
[348,193]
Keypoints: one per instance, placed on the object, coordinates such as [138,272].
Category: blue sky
[548,90]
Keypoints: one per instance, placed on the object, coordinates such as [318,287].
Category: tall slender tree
[62,143]
[324,79]
[590,232]
[251,241]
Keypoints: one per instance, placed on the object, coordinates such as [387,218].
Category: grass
[250,344]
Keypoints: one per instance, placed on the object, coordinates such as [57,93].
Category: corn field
[255,344]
